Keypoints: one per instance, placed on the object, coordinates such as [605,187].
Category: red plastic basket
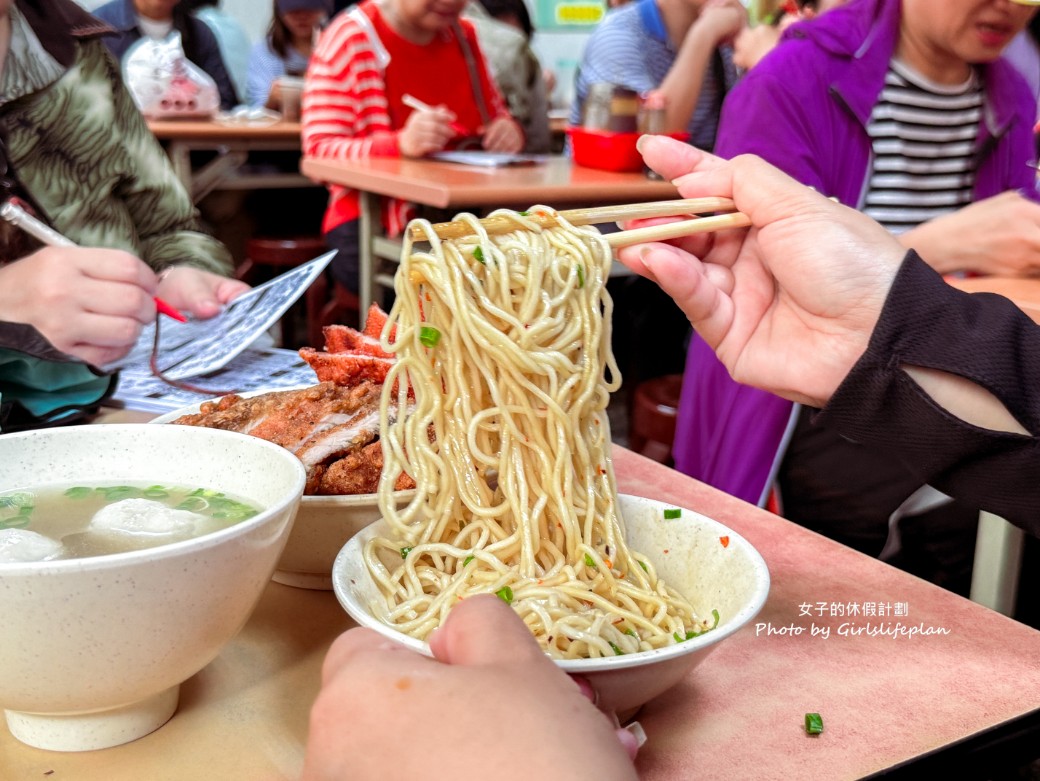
[607,150]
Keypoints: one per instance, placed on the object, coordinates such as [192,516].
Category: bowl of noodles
[715,569]
[502,352]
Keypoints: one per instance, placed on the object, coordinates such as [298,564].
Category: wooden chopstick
[590,216]
[675,230]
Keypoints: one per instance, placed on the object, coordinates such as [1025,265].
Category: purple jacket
[804,108]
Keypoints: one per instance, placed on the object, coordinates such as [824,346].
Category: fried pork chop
[321,425]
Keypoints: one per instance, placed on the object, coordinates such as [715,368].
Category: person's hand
[197,292]
[503,134]
[723,19]
[788,304]
[89,303]
[490,705]
[426,131]
[998,235]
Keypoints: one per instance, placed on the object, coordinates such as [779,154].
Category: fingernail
[641,143]
[637,731]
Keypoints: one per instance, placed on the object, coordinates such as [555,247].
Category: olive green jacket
[81,149]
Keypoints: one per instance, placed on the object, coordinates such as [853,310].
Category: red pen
[169,311]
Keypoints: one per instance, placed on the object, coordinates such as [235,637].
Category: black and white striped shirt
[924,137]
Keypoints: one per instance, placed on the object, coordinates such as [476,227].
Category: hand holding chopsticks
[596,215]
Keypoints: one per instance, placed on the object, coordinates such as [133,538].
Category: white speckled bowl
[323,526]
[686,552]
[93,651]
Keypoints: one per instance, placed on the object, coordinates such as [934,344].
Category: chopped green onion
[467,560]
[429,336]
[117,493]
[505,594]
[524,214]
[405,552]
[589,561]
[630,631]
[672,513]
[79,492]
[478,254]
[690,634]
[617,651]
[813,723]
[581,276]
[643,565]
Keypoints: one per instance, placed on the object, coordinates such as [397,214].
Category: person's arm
[998,235]
[164,217]
[490,705]
[949,385]
[718,23]
[333,111]
[817,303]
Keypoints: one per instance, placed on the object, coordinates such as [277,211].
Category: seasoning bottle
[653,119]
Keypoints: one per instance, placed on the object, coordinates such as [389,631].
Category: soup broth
[75,521]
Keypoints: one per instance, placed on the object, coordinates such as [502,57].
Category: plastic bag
[165,84]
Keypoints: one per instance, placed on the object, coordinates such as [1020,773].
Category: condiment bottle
[653,119]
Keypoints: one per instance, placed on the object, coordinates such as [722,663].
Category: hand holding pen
[89,303]
[428,128]
[13,212]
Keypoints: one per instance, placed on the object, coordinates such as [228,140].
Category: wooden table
[555,182]
[232,143]
[884,700]
[998,547]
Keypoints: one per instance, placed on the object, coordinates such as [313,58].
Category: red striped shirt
[346,103]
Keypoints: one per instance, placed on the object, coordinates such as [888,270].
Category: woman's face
[962,31]
[160,10]
[301,24]
[429,16]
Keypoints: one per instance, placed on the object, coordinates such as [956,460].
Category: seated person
[353,105]
[134,19]
[673,47]
[504,30]
[285,49]
[95,172]
[905,111]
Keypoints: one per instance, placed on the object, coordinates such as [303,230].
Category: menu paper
[220,352]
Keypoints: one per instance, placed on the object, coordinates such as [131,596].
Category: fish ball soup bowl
[94,649]
[715,568]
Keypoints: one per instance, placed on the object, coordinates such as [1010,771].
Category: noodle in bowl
[504,343]
[731,579]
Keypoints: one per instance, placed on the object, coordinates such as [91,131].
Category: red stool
[651,428]
[267,257]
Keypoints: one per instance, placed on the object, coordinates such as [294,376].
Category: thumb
[484,630]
